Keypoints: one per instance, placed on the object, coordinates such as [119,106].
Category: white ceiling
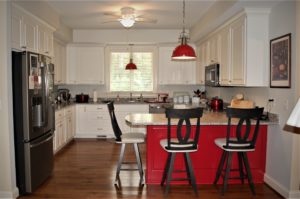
[168,13]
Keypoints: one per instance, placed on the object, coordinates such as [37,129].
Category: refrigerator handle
[42,142]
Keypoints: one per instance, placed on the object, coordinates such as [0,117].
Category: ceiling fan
[128,17]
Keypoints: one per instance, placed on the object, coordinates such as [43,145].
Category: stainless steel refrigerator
[33,111]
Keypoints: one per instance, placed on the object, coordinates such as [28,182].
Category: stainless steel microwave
[212,73]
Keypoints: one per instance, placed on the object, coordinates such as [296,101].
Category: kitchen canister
[186,99]
[95,97]
[180,99]
[196,100]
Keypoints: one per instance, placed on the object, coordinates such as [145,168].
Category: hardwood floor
[85,169]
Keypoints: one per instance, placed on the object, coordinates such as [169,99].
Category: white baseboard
[9,195]
[288,194]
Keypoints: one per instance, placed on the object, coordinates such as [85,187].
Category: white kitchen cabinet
[64,127]
[224,61]
[30,33]
[175,72]
[45,41]
[85,65]
[201,63]
[59,63]
[213,55]
[93,121]
[243,49]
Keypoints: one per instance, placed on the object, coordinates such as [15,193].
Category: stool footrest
[179,179]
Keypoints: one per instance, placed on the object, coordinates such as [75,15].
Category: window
[131,80]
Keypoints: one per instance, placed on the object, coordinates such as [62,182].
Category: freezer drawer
[39,161]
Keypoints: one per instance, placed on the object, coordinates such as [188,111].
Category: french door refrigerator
[33,111]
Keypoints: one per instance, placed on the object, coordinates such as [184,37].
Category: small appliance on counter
[63,95]
[82,98]
[216,104]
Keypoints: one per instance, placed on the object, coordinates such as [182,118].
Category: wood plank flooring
[85,169]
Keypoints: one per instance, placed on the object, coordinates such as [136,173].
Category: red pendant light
[184,51]
[131,65]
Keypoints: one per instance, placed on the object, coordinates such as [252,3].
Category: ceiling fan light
[127,22]
[131,65]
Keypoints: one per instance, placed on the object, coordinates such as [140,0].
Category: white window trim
[135,48]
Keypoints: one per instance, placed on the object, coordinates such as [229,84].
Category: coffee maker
[63,95]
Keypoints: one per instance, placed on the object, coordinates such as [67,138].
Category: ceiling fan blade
[112,14]
[140,19]
[112,21]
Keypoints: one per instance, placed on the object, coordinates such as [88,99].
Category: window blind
[131,80]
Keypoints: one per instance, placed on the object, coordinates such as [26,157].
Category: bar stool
[123,139]
[182,143]
[242,142]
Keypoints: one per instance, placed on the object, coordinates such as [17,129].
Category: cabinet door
[30,33]
[200,66]
[72,62]
[63,64]
[91,65]
[174,72]
[16,31]
[187,72]
[238,52]
[224,44]
[49,43]
[213,50]
[57,63]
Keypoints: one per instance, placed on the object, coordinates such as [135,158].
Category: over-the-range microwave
[212,73]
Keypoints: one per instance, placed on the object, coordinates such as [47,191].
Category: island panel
[205,160]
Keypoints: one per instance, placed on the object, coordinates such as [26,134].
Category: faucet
[130,97]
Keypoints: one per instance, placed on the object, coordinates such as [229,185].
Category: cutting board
[235,103]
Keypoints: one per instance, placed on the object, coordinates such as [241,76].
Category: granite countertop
[208,118]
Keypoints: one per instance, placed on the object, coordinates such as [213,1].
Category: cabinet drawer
[98,116]
[95,108]
[59,115]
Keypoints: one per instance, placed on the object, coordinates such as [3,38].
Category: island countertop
[208,118]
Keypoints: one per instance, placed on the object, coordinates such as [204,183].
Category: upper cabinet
[175,72]
[242,49]
[85,65]
[59,62]
[30,33]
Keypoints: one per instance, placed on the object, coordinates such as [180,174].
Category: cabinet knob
[23,47]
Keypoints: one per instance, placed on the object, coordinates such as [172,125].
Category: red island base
[205,160]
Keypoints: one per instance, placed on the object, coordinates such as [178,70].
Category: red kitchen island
[205,160]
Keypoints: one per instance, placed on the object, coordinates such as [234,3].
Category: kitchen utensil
[82,98]
[216,104]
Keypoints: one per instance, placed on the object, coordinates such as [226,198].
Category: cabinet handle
[99,117]
[99,129]
[99,108]
[47,52]
[23,47]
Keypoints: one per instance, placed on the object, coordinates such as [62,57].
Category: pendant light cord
[183,17]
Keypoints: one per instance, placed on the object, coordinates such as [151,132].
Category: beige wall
[7,165]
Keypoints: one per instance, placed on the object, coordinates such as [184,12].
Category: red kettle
[216,104]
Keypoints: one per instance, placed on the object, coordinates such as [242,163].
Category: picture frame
[280,62]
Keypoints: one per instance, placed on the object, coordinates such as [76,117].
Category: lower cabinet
[93,120]
[64,127]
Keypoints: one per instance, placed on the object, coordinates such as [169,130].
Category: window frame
[126,48]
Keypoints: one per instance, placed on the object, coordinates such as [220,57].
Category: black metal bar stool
[242,142]
[183,143]
[128,138]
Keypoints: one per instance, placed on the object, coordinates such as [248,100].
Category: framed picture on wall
[280,62]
